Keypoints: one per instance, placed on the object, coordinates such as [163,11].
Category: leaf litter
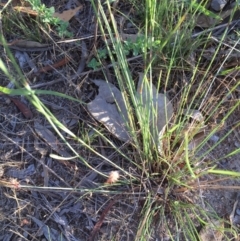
[65,16]
[109,108]
[50,139]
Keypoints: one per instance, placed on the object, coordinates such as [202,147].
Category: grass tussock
[160,175]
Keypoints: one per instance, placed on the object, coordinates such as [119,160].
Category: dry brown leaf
[196,140]
[109,108]
[22,107]
[68,14]
[194,114]
[23,9]
[212,231]
[56,65]
[65,15]
[27,44]
[204,21]
[27,10]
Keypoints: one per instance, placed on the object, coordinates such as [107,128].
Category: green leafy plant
[46,16]
[136,47]
[129,47]
[101,54]
[94,64]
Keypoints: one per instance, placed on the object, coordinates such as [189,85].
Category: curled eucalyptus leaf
[155,106]
[109,108]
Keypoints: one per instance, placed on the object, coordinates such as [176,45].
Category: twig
[82,61]
[108,66]
[101,219]
[45,84]
[58,64]
[214,28]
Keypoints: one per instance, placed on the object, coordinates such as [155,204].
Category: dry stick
[78,72]
[211,29]
[108,66]
[30,49]
[82,62]
[81,74]
[227,45]
[101,219]
[45,48]
[45,84]
[95,43]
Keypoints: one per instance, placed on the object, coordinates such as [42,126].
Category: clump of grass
[167,25]
[13,20]
[167,175]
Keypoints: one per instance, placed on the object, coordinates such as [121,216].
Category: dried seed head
[113,177]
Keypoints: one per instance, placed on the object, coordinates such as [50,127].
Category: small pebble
[214,138]
[237,144]
[236,220]
[238,211]
[218,5]
[25,234]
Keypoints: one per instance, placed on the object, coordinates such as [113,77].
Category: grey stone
[218,5]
